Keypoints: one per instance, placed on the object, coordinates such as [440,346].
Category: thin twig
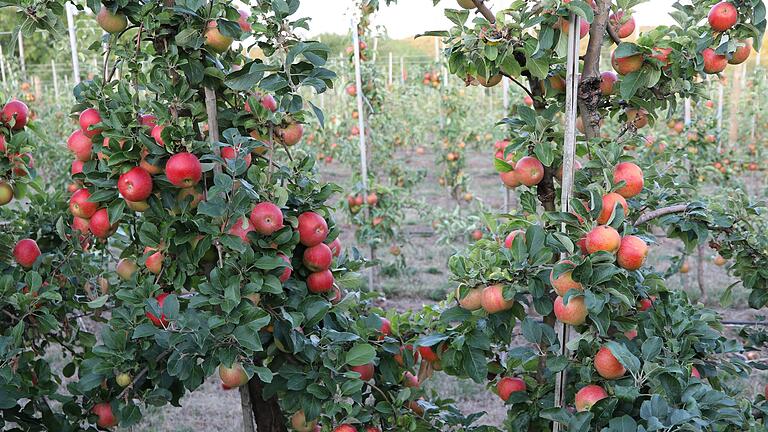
[484,11]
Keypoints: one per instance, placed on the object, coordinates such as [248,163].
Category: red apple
[627,65]
[99,224]
[335,247]
[623,27]
[574,313]
[159,322]
[529,171]
[428,354]
[662,55]
[320,282]
[493,301]
[80,206]
[632,253]
[105,417]
[16,111]
[313,229]
[410,380]
[508,385]
[135,185]
[26,252]
[645,304]
[229,154]
[472,301]
[610,202]
[79,144]
[157,134]
[742,53]
[607,80]
[241,228]
[723,16]
[148,120]
[154,262]
[511,237]
[713,63]
[286,274]
[77,167]
[632,175]
[234,376]
[607,365]
[564,282]
[603,238]
[695,372]
[366,371]
[300,423]
[88,118]
[243,21]
[345,428]
[126,268]
[318,257]
[214,39]
[183,170]
[80,224]
[111,22]
[291,134]
[588,396]
[267,218]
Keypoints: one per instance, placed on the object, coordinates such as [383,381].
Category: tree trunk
[269,417]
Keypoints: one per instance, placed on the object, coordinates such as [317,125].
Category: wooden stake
[73,43]
[402,70]
[55,79]
[361,126]
[389,81]
[2,65]
[569,158]
[505,104]
[22,62]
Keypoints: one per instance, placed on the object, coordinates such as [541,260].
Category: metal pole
[361,125]
[687,114]
[437,49]
[569,157]
[22,63]
[73,43]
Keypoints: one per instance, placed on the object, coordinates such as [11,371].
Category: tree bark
[589,88]
[269,417]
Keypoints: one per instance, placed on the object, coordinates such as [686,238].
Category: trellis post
[73,43]
[2,65]
[569,157]
[505,104]
[22,62]
[389,81]
[361,127]
[55,77]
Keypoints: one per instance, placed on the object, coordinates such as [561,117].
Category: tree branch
[483,9]
[612,33]
[521,85]
[680,208]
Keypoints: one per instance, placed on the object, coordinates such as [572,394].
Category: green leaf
[360,355]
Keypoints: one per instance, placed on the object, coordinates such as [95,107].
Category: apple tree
[632,353]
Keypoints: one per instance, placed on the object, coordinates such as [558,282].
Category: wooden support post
[55,77]
[402,70]
[73,43]
[361,125]
[569,157]
[22,61]
[389,81]
[2,65]
[735,96]
[505,104]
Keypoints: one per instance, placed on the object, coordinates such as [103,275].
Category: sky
[411,17]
